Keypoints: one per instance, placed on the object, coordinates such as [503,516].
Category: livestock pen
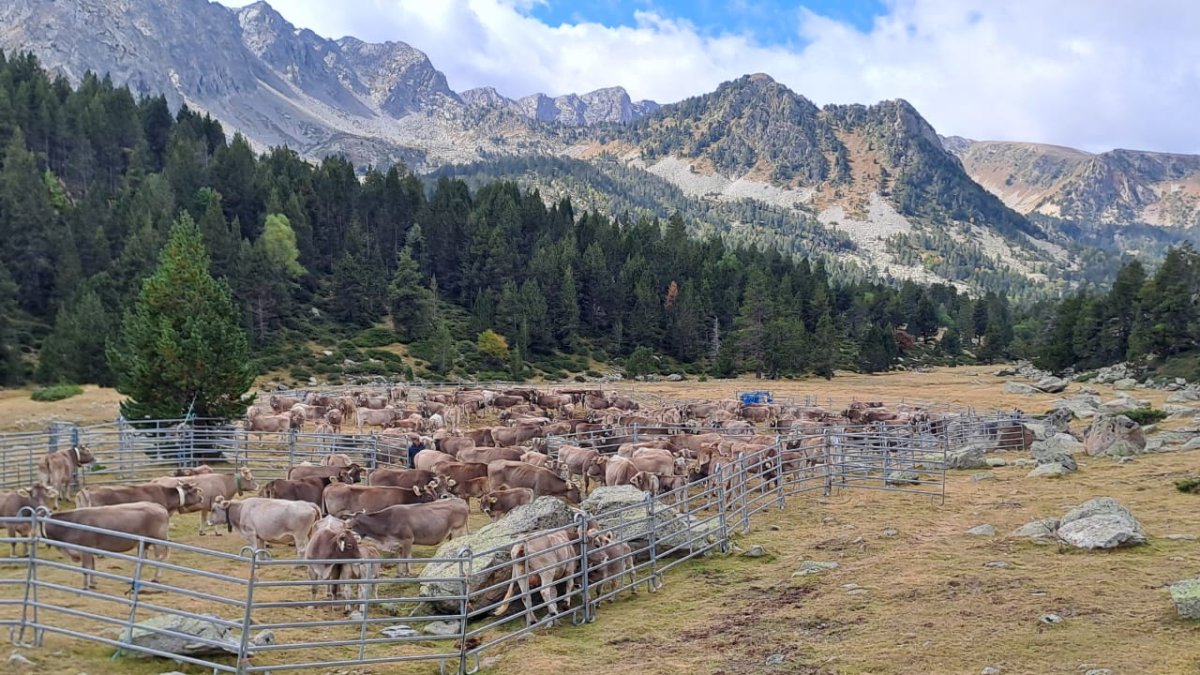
[256,605]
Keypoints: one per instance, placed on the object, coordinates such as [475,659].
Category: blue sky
[1091,74]
[768,22]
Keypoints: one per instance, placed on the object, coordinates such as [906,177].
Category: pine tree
[180,347]
[75,349]
[413,305]
[11,371]
[441,344]
[824,354]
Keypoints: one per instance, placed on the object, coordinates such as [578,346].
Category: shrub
[1144,416]
[375,337]
[56,392]
[580,378]
[1189,485]
[592,373]
[299,373]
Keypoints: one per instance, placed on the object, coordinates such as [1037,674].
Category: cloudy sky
[1093,74]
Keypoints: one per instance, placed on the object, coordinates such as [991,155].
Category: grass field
[936,600]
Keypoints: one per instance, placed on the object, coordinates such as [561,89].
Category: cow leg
[526,596]
[88,563]
[405,554]
[549,593]
[160,555]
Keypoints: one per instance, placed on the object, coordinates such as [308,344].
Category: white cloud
[1093,74]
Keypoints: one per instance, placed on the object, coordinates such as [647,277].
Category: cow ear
[23,492]
[417,490]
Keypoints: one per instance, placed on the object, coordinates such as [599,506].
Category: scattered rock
[196,636]
[774,528]
[754,551]
[1124,384]
[850,586]
[17,660]
[674,377]
[775,659]
[442,628]
[1051,385]
[399,631]
[266,637]
[969,457]
[814,567]
[991,670]
[889,532]
[1124,460]
[1040,531]
[984,530]
[1184,396]
[1186,596]
[1020,388]
[1181,537]
[1115,436]
[1193,444]
[1050,619]
[996,462]
[1050,470]
[997,565]
[902,477]
[857,591]
[1025,462]
[1100,523]
[1055,446]
[1098,671]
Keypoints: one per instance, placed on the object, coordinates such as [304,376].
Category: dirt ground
[20,413]
[936,600]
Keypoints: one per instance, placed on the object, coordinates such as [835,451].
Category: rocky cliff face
[1120,186]
[603,106]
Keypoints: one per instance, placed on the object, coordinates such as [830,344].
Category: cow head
[487,503]
[81,455]
[573,494]
[244,480]
[220,513]
[645,481]
[351,474]
[39,494]
[190,494]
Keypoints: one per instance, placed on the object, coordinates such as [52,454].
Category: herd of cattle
[341,515]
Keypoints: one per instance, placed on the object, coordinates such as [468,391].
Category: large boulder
[1125,384]
[624,509]
[968,457]
[1054,447]
[1122,404]
[1051,385]
[1117,436]
[1184,396]
[1186,596]
[1050,470]
[490,547]
[196,636]
[1039,531]
[1020,388]
[1082,405]
[1100,523]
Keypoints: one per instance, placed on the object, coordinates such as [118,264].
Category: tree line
[1141,316]
[94,180]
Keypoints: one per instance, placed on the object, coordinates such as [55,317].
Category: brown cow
[645,481]
[609,561]
[427,459]
[543,482]
[498,503]
[57,469]
[139,519]
[282,403]
[11,503]
[334,419]
[508,436]
[453,446]
[585,462]
[402,526]
[262,520]
[375,417]
[481,437]
[619,471]
[343,500]
[344,474]
[489,455]
[186,471]
[471,487]
[331,539]
[214,485]
[175,498]
[304,490]
[337,459]
[655,460]
[405,478]
[543,561]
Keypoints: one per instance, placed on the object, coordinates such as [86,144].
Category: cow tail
[518,569]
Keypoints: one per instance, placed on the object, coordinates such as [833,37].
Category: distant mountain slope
[1116,187]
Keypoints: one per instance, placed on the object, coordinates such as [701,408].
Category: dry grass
[932,605]
[19,413]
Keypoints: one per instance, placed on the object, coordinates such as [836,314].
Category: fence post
[465,559]
[827,462]
[247,619]
[779,473]
[722,511]
[635,433]
[291,449]
[585,591]
[27,604]
[743,482]
[373,457]
[135,592]
[654,582]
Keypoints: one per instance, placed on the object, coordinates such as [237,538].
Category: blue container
[752,397]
